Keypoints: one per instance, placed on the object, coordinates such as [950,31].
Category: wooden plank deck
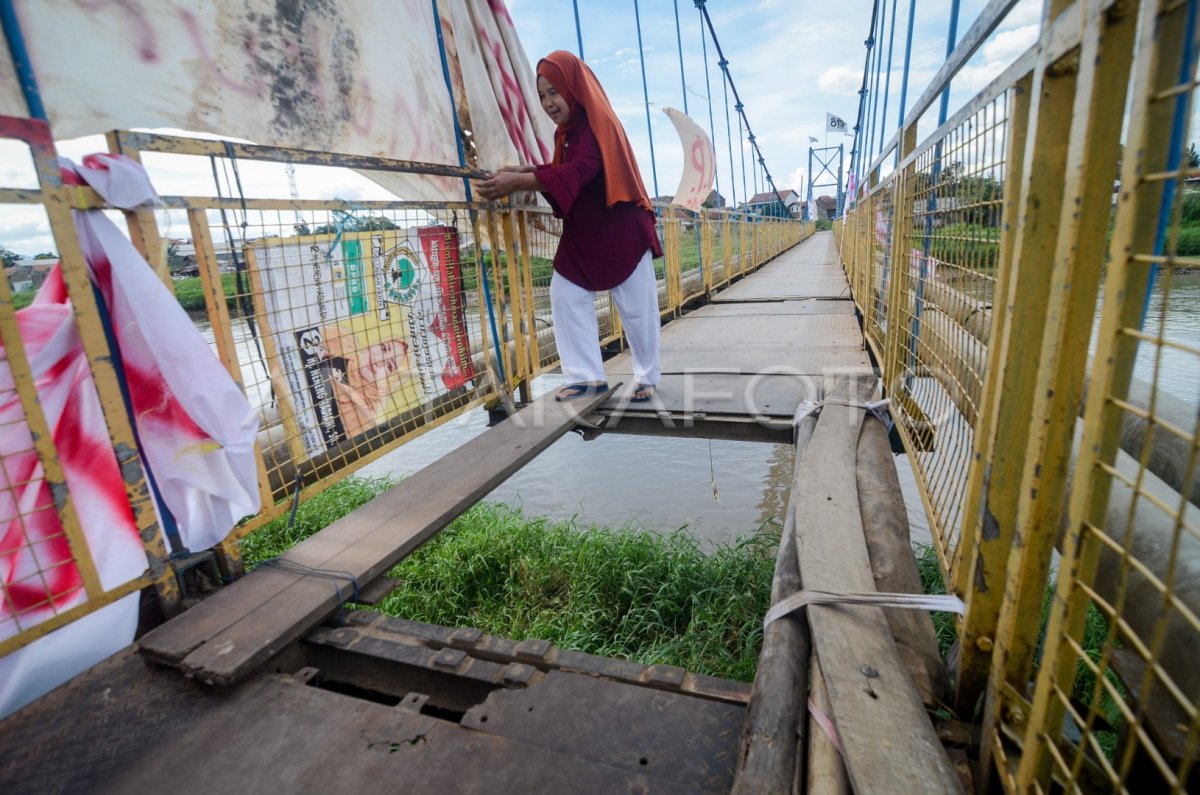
[373,703]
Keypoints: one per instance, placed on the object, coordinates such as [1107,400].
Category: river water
[717,490]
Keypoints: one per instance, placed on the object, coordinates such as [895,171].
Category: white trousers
[577,333]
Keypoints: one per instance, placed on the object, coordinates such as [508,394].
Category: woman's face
[554,103]
[383,361]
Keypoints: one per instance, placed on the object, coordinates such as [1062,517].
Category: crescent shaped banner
[699,162]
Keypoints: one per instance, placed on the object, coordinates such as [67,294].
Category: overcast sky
[791,60]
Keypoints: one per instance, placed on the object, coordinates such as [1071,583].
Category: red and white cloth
[196,429]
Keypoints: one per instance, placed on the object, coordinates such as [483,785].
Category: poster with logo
[360,328]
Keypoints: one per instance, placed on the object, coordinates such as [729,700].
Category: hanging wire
[578,30]
[912,12]
[724,64]
[462,161]
[767,179]
[887,82]
[646,95]
[855,159]
[712,127]
[742,149]
[873,125]
[679,43]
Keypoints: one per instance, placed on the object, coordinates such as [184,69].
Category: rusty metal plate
[689,741]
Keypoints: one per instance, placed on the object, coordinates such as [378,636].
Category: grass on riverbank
[629,593]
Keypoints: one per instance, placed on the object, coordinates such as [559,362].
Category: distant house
[826,207]
[780,204]
[28,273]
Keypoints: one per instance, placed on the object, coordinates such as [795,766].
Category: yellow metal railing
[1046,384]
[256,261]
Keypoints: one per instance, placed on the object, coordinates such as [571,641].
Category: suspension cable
[873,126]
[855,159]
[700,4]
[912,12]
[887,82]
[679,44]
[646,96]
[724,64]
[578,29]
[712,128]
[742,150]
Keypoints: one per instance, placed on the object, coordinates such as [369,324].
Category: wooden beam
[888,740]
[769,758]
[227,637]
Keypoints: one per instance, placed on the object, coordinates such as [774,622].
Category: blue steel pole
[931,203]
[912,12]
[712,127]
[21,62]
[679,43]
[578,29]
[742,149]
[856,152]
[1187,68]
[646,95]
[887,81]
[873,125]
[462,161]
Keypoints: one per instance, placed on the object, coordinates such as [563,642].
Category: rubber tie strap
[946,603]
[878,408]
[332,575]
[826,724]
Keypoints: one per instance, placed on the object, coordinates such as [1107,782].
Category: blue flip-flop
[642,388]
[576,391]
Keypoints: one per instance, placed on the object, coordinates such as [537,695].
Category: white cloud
[841,80]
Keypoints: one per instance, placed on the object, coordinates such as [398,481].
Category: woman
[608,240]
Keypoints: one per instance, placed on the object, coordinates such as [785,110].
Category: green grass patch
[23,299]
[970,246]
[630,593]
[190,292]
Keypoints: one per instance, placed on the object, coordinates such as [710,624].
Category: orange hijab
[578,85]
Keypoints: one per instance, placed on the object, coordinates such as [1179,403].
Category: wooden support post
[889,743]
[774,728]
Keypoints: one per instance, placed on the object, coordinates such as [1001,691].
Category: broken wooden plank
[226,637]
[886,735]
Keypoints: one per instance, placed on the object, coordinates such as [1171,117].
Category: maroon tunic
[600,246]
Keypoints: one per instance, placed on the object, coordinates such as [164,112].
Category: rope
[462,161]
[646,95]
[333,575]
[679,43]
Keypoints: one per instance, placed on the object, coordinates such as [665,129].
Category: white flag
[834,124]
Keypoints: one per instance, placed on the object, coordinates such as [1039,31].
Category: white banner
[699,162]
[836,124]
[361,78]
